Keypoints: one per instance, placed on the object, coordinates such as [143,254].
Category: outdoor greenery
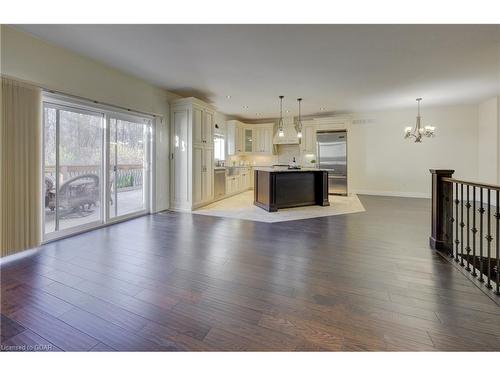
[81,139]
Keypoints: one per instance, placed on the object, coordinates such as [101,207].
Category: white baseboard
[393,193]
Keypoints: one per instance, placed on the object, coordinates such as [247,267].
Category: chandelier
[419,131]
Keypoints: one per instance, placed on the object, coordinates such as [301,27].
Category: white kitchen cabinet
[248,139]
[232,185]
[244,180]
[264,139]
[192,165]
[308,141]
[234,137]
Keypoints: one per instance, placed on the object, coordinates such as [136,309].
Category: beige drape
[20,166]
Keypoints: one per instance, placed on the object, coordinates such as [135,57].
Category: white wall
[384,163]
[488,141]
[30,59]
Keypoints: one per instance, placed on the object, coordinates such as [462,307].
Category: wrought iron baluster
[462,225]
[481,213]
[457,241]
[497,217]
[474,231]
[467,248]
[489,239]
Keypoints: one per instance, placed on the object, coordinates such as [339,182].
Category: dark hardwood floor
[174,281]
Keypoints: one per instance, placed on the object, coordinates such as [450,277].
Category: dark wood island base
[284,188]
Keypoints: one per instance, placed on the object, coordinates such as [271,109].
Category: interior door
[128,163]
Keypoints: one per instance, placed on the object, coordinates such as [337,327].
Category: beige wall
[385,163]
[30,59]
[488,141]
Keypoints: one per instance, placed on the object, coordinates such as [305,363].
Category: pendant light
[281,132]
[299,122]
[419,131]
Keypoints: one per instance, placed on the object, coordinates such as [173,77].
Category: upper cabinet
[245,139]
[203,123]
[308,141]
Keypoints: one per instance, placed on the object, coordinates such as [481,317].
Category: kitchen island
[276,188]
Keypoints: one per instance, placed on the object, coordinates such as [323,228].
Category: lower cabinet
[232,185]
[203,170]
[242,182]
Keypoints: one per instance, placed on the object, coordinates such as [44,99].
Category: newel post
[442,209]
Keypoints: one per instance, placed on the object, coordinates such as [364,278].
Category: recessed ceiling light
[228,96]
[245,106]
[287,111]
[322,109]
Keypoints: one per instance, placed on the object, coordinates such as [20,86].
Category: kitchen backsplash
[285,155]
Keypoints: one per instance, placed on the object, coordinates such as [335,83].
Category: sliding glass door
[128,165]
[96,168]
[73,164]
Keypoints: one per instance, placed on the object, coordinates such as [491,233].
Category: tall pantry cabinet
[192,155]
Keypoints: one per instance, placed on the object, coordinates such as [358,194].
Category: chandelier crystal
[419,131]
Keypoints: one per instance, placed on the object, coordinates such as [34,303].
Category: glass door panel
[49,168]
[73,162]
[127,166]
[80,168]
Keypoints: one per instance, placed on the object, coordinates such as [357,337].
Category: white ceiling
[332,67]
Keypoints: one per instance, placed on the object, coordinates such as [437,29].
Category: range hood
[290,137]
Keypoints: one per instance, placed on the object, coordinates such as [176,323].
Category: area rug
[241,206]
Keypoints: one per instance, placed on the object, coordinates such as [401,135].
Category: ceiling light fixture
[299,122]
[228,96]
[419,131]
[281,132]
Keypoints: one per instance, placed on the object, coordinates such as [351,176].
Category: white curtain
[20,166]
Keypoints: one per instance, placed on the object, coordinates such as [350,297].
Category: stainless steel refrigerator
[332,156]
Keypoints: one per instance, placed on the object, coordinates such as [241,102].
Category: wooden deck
[174,281]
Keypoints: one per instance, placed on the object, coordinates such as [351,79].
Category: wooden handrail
[469,183]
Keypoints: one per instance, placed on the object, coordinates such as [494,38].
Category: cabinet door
[180,157]
[238,139]
[197,126]
[207,130]
[267,140]
[231,138]
[243,181]
[208,174]
[228,186]
[251,177]
[247,140]
[258,140]
[198,174]
[309,135]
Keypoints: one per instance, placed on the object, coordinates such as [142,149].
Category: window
[94,166]
[219,149]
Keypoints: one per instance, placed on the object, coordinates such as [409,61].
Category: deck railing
[128,176]
[465,225]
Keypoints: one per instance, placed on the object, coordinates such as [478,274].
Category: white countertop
[285,169]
